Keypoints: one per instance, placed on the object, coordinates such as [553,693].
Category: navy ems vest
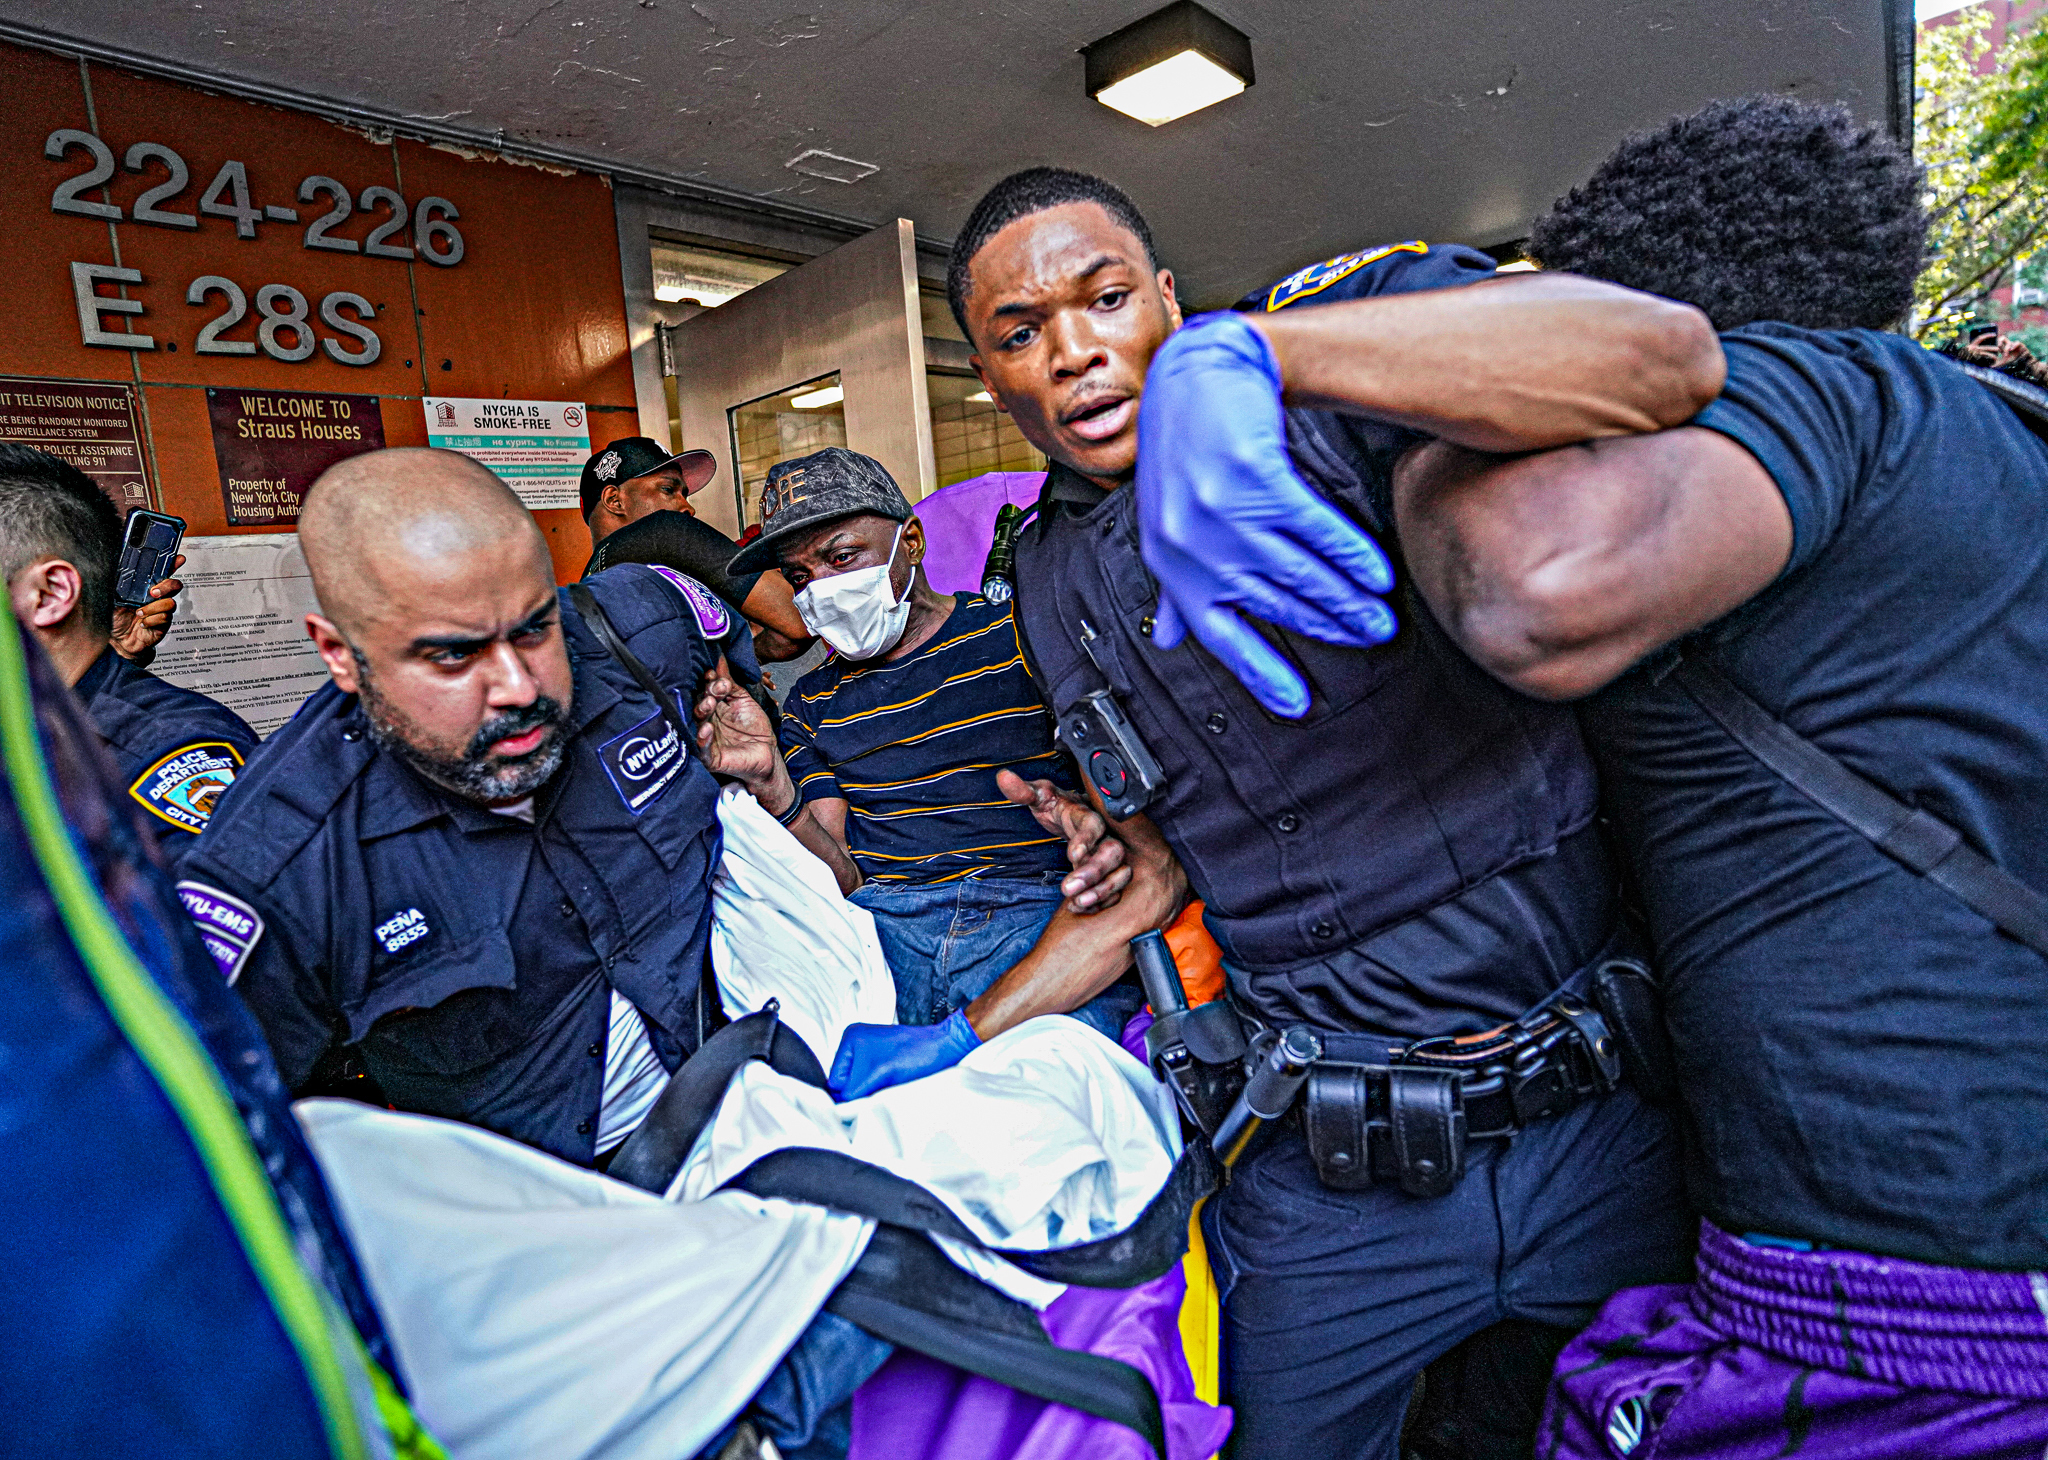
[1413,857]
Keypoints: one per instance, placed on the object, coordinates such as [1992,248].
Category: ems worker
[1404,854]
[636,500]
[60,548]
[482,853]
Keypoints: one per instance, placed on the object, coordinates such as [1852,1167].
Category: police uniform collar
[98,675]
[1066,492]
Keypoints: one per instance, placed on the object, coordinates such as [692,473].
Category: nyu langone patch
[708,606]
[1318,277]
[402,930]
[185,786]
[228,926]
[643,761]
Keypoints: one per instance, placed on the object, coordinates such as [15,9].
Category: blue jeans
[947,942]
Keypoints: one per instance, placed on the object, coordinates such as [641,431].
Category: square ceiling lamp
[1173,62]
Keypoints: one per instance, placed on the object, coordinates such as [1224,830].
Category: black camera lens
[1108,773]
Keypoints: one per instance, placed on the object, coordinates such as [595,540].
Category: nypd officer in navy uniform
[1392,849]
[483,853]
[60,549]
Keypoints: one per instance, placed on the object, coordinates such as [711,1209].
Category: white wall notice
[537,447]
[240,633]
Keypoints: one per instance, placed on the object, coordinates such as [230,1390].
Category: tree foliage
[1980,124]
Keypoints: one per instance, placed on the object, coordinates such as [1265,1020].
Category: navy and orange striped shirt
[913,747]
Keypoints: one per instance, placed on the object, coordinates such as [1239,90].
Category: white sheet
[781,930]
[540,1309]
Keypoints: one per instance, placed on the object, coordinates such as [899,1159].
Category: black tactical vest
[1413,857]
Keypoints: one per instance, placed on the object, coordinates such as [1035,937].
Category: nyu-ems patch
[1318,277]
[402,930]
[643,761]
[228,926]
[709,608]
[185,786]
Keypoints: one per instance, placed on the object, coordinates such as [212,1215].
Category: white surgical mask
[857,613]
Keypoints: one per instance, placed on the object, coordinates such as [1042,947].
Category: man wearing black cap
[910,747]
[636,499]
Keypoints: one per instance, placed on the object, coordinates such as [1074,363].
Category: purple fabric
[1828,1355]
[919,1409]
[1133,1037]
[960,524]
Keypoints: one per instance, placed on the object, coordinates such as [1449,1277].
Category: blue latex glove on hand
[1228,527]
[875,1056]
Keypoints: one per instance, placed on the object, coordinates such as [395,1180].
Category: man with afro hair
[1848,548]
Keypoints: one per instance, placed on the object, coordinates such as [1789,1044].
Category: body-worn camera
[1111,755]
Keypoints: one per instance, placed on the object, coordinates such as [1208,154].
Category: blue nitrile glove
[1227,526]
[875,1056]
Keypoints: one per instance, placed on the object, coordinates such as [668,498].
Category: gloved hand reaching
[1230,529]
[875,1056]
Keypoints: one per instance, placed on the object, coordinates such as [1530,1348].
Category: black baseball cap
[639,456]
[815,489]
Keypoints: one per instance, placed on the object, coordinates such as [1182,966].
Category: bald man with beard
[482,854]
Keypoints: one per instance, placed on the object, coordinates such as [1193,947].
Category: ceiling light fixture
[813,400]
[981,398]
[1174,61]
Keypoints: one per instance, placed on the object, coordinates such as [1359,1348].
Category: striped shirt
[913,747]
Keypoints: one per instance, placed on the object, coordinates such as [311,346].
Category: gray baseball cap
[815,489]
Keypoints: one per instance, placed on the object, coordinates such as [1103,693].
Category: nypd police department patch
[228,926]
[185,786]
[1318,277]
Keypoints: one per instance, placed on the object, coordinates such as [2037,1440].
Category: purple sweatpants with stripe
[1825,1355]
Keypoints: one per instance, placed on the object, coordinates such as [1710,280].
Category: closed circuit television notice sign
[89,423]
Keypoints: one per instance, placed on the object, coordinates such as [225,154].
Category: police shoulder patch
[228,926]
[711,613]
[1318,277]
[184,786]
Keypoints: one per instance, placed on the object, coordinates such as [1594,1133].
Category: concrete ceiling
[1371,119]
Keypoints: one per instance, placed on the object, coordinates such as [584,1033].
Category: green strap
[159,1034]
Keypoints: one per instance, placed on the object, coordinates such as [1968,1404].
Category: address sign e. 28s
[285,329]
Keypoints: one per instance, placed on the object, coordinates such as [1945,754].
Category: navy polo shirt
[1865,1058]
[471,956]
[177,751]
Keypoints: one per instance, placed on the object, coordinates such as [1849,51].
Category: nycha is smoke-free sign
[537,447]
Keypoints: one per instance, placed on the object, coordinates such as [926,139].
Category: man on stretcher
[484,855]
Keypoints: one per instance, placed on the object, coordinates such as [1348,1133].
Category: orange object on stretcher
[1197,955]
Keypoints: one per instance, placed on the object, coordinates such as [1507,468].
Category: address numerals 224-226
[434,236]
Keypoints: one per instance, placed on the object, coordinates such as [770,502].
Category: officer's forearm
[1516,364]
[772,607]
[1081,954]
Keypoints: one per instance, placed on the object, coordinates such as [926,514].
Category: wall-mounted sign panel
[537,447]
[87,423]
[164,242]
[241,629]
[272,444]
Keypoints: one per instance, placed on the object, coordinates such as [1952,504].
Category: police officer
[60,547]
[1393,850]
[483,853]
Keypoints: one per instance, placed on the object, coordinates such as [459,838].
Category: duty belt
[1407,1120]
